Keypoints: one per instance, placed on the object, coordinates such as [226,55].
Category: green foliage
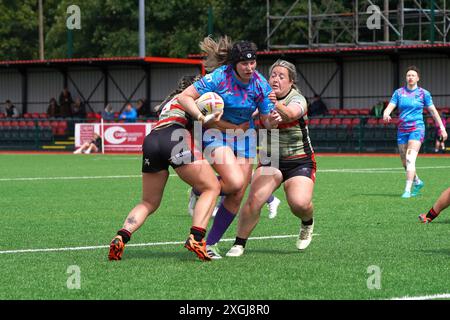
[173,27]
[19,30]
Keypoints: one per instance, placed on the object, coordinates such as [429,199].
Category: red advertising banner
[117,137]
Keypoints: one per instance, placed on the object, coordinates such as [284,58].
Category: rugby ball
[209,102]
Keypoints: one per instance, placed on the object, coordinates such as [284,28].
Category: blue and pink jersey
[240,99]
[411,104]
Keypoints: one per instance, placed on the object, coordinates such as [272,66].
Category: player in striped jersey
[411,99]
[296,167]
[170,143]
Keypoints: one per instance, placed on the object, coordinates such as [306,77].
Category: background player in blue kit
[411,99]
[234,77]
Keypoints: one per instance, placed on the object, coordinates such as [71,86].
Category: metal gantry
[327,23]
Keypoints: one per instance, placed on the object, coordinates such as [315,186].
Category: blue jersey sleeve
[427,100]
[394,99]
[209,82]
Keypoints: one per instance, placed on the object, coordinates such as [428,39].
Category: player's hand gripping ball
[210,103]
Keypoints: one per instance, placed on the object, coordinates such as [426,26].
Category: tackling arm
[187,100]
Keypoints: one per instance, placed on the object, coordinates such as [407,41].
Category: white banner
[117,137]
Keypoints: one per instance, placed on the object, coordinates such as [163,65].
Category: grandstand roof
[360,50]
[98,61]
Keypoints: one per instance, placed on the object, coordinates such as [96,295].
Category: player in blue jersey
[411,99]
[231,148]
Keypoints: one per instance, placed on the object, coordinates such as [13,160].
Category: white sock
[408,185]
[416,179]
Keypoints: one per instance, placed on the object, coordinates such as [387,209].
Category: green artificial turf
[81,201]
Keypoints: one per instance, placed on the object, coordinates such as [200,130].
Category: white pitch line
[134,245]
[69,178]
[430,297]
[363,170]
[115,159]
[377,170]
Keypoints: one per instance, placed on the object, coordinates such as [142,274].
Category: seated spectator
[53,108]
[439,146]
[378,109]
[78,109]
[95,145]
[129,114]
[65,103]
[108,113]
[143,108]
[317,107]
[11,110]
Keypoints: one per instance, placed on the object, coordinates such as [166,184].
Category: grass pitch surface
[75,205]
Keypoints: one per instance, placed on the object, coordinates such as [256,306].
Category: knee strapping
[411,156]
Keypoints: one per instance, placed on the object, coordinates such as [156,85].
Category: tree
[19,30]
[173,27]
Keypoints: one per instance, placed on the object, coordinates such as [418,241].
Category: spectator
[317,107]
[107,113]
[53,108]
[143,108]
[378,109]
[11,110]
[439,146]
[94,145]
[129,114]
[65,103]
[78,109]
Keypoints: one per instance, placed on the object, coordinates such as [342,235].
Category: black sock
[240,242]
[198,233]
[308,223]
[126,235]
[432,214]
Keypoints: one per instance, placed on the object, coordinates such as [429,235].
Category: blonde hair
[292,71]
[217,53]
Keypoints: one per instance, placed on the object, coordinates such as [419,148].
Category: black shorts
[159,151]
[304,167]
